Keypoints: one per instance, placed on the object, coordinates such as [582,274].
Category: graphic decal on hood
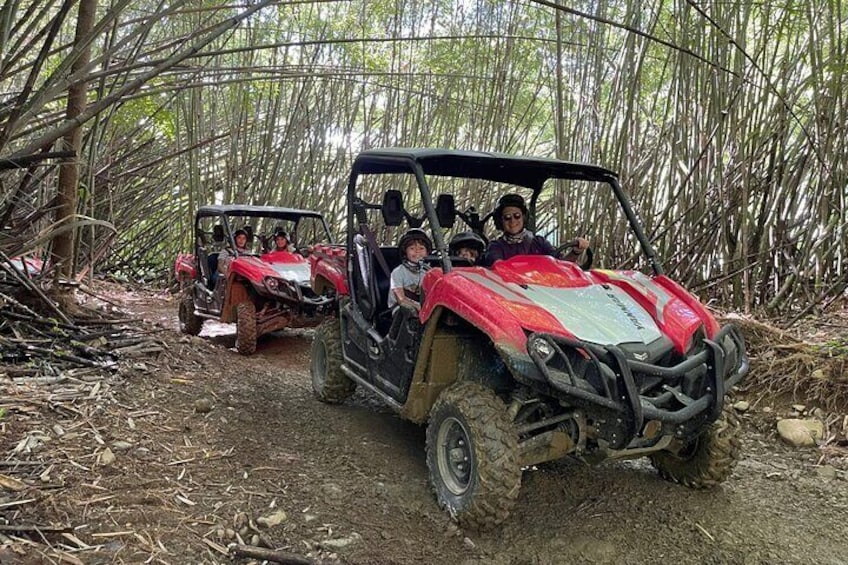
[297,272]
[645,286]
[602,314]
[597,314]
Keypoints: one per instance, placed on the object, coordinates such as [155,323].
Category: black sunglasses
[513,216]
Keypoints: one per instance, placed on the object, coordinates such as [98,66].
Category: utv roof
[531,172]
[267,211]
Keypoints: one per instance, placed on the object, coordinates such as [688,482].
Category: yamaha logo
[640,356]
[630,315]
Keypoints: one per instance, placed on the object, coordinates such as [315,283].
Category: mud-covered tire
[190,323]
[472,456]
[329,383]
[707,460]
[245,328]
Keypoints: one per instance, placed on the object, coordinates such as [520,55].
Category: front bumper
[684,397]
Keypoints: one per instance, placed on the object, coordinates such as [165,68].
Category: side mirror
[446,210]
[392,208]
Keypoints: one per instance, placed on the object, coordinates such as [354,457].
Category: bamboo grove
[726,120]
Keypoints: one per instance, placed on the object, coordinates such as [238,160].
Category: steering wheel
[563,249]
[457,261]
[432,260]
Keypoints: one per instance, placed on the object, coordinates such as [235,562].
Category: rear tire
[472,456]
[329,383]
[246,328]
[190,323]
[708,460]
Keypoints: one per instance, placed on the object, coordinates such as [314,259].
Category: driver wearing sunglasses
[510,215]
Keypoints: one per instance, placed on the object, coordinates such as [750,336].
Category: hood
[601,314]
[289,266]
[256,268]
[597,314]
[541,294]
[295,272]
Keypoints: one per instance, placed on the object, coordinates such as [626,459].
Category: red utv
[528,361]
[260,288]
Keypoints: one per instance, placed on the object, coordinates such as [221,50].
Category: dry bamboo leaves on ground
[65,364]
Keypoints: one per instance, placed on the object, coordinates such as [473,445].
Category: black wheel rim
[454,456]
[319,365]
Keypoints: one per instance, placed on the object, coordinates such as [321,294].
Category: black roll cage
[227,211]
[528,172]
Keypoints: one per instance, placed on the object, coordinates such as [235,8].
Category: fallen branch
[41,529]
[275,555]
[19,463]
[49,353]
[17,503]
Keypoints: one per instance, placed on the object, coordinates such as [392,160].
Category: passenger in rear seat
[467,245]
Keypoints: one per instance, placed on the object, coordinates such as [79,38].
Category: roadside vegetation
[726,122]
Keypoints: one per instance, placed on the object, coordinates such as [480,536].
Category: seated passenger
[405,284]
[241,241]
[227,255]
[467,245]
[510,216]
[281,241]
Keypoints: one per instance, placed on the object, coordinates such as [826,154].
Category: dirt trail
[351,479]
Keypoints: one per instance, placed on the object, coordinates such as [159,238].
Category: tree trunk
[66,198]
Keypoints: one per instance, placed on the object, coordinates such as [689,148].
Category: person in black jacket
[510,216]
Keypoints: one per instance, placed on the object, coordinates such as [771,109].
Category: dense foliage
[726,120]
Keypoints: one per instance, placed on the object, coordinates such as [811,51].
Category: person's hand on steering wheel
[580,245]
[575,248]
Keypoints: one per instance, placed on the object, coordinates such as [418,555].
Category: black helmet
[281,233]
[466,239]
[507,200]
[240,232]
[414,234]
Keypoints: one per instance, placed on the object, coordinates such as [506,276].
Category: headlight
[542,348]
[271,283]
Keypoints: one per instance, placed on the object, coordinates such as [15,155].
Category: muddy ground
[204,444]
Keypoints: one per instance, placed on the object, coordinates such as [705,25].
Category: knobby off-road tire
[472,456]
[190,323]
[708,460]
[245,328]
[329,383]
